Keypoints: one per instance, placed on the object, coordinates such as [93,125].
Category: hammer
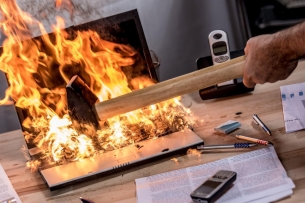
[166,90]
[171,88]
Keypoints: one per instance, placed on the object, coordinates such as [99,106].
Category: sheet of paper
[260,174]
[293,100]
[7,192]
[273,198]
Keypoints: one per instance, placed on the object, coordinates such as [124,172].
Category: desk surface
[264,101]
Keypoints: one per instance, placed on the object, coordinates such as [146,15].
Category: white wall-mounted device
[220,52]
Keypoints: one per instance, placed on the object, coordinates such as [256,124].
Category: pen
[227,146]
[254,140]
[85,200]
[261,124]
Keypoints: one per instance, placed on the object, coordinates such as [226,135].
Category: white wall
[177,30]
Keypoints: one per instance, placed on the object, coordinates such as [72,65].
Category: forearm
[270,58]
[292,42]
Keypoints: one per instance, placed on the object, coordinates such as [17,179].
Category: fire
[67,4]
[193,152]
[175,160]
[38,70]
[64,142]
[14,21]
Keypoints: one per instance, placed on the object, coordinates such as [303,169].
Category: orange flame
[193,152]
[58,3]
[14,22]
[66,4]
[38,70]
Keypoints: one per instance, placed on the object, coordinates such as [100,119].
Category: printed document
[293,100]
[7,192]
[260,178]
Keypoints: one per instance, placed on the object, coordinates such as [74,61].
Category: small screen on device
[219,48]
[208,186]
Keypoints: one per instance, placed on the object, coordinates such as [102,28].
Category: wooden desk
[264,101]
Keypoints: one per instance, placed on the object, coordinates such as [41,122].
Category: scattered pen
[227,146]
[254,140]
[85,200]
[261,124]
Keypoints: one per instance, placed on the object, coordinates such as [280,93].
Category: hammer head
[81,107]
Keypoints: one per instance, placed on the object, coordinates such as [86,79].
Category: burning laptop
[109,57]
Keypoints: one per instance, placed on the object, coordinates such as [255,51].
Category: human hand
[269,58]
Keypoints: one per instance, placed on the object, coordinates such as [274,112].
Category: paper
[293,100]
[260,177]
[7,192]
[273,198]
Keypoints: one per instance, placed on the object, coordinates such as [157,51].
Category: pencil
[254,140]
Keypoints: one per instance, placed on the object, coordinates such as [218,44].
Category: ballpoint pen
[227,146]
[254,140]
[85,200]
[261,124]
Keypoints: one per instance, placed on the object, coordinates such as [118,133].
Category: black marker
[261,124]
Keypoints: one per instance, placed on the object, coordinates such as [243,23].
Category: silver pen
[227,146]
[261,124]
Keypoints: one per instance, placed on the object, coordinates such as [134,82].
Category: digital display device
[219,47]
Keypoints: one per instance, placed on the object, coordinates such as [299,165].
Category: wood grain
[265,101]
[171,88]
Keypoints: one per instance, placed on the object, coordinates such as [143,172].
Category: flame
[193,152]
[175,160]
[65,4]
[14,21]
[38,70]
[58,3]
[33,165]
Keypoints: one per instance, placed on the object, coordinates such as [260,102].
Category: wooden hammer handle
[171,88]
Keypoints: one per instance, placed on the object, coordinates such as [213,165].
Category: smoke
[74,12]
